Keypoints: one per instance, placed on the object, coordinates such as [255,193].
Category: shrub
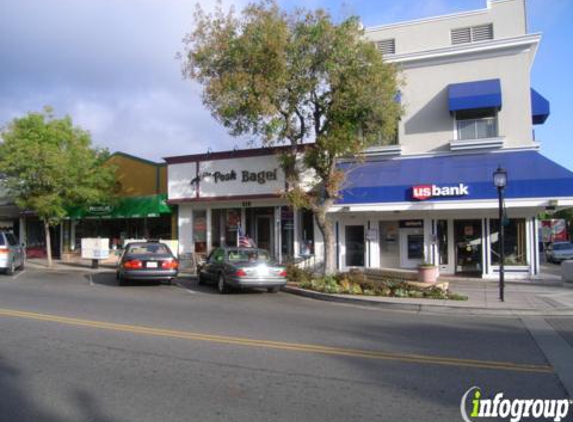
[298,275]
[355,289]
[456,296]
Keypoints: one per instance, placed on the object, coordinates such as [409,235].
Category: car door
[210,268]
[15,249]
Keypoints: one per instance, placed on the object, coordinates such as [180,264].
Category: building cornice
[521,42]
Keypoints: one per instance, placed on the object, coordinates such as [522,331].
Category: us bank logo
[475,406]
[423,192]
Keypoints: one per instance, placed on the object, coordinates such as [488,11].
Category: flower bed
[355,283]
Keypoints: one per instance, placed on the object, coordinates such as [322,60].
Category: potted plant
[427,272]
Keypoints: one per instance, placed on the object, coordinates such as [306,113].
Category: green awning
[126,207]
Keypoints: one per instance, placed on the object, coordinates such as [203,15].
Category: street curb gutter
[425,308]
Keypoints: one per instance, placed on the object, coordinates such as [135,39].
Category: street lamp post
[500,182]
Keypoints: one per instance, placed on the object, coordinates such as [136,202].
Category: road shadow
[190,282]
[18,404]
[109,279]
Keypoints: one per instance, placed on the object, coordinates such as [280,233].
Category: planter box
[428,274]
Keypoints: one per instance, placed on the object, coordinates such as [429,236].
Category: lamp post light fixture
[500,182]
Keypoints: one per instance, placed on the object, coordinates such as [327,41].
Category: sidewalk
[57,265]
[521,299]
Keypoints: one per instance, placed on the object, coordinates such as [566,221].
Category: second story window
[471,34]
[476,124]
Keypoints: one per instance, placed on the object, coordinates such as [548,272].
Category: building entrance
[468,246]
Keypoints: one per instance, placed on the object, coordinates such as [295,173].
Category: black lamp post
[500,182]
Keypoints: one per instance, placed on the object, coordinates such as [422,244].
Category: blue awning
[475,95]
[539,108]
[455,177]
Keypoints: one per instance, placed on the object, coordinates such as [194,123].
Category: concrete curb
[425,307]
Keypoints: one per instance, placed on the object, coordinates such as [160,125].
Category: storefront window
[514,240]
[224,226]
[200,231]
[307,226]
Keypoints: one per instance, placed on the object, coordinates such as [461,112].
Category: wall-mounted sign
[423,192]
[411,224]
[245,176]
[261,177]
[372,235]
[100,209]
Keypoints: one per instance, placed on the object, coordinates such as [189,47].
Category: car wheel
[222,285]
[274,289]
[10,269]
[121,281]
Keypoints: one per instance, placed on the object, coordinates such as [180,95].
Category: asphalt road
[76,347]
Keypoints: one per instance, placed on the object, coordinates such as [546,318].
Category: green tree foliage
[296,79]
[49,165]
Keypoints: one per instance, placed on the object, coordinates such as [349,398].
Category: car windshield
[562,246]
[147,249]
[250,255]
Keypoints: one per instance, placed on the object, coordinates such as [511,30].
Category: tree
[48,165]
[297,79]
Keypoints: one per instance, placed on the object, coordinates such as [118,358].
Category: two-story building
[427,195]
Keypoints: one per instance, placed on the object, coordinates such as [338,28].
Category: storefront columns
[209,235]
[535,242]
[297,232]
[22,229]
[429,253]
[73,224]
[185,229]
[486,247]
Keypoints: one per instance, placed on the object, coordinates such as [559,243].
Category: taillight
[240,273]
[133,264]
[4,251]
[283,273]
[171,264]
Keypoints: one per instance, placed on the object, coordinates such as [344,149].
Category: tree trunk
[48,243]
[326,228]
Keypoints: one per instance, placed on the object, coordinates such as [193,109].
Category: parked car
[147,261]
[559,251]
[12,254]
[241,268]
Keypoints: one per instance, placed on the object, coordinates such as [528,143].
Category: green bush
[456,296]
[298,275]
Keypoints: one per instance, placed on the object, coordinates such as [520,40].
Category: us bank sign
[424,192]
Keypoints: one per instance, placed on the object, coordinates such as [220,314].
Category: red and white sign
[423,192]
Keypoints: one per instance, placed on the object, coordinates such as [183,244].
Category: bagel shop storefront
[137,217]
[224,198]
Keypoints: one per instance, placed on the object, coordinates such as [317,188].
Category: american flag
[244,240]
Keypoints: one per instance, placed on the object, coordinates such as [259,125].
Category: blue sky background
[110,65]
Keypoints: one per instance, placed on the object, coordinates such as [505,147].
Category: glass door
[468,241]
[263,233]
[355,246]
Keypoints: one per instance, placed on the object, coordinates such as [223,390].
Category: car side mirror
[23,245]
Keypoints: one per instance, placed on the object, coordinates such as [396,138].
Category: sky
[111,66]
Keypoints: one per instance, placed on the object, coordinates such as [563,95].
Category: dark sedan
[241,268]
[147,261]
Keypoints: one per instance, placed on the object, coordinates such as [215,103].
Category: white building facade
[427,195]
